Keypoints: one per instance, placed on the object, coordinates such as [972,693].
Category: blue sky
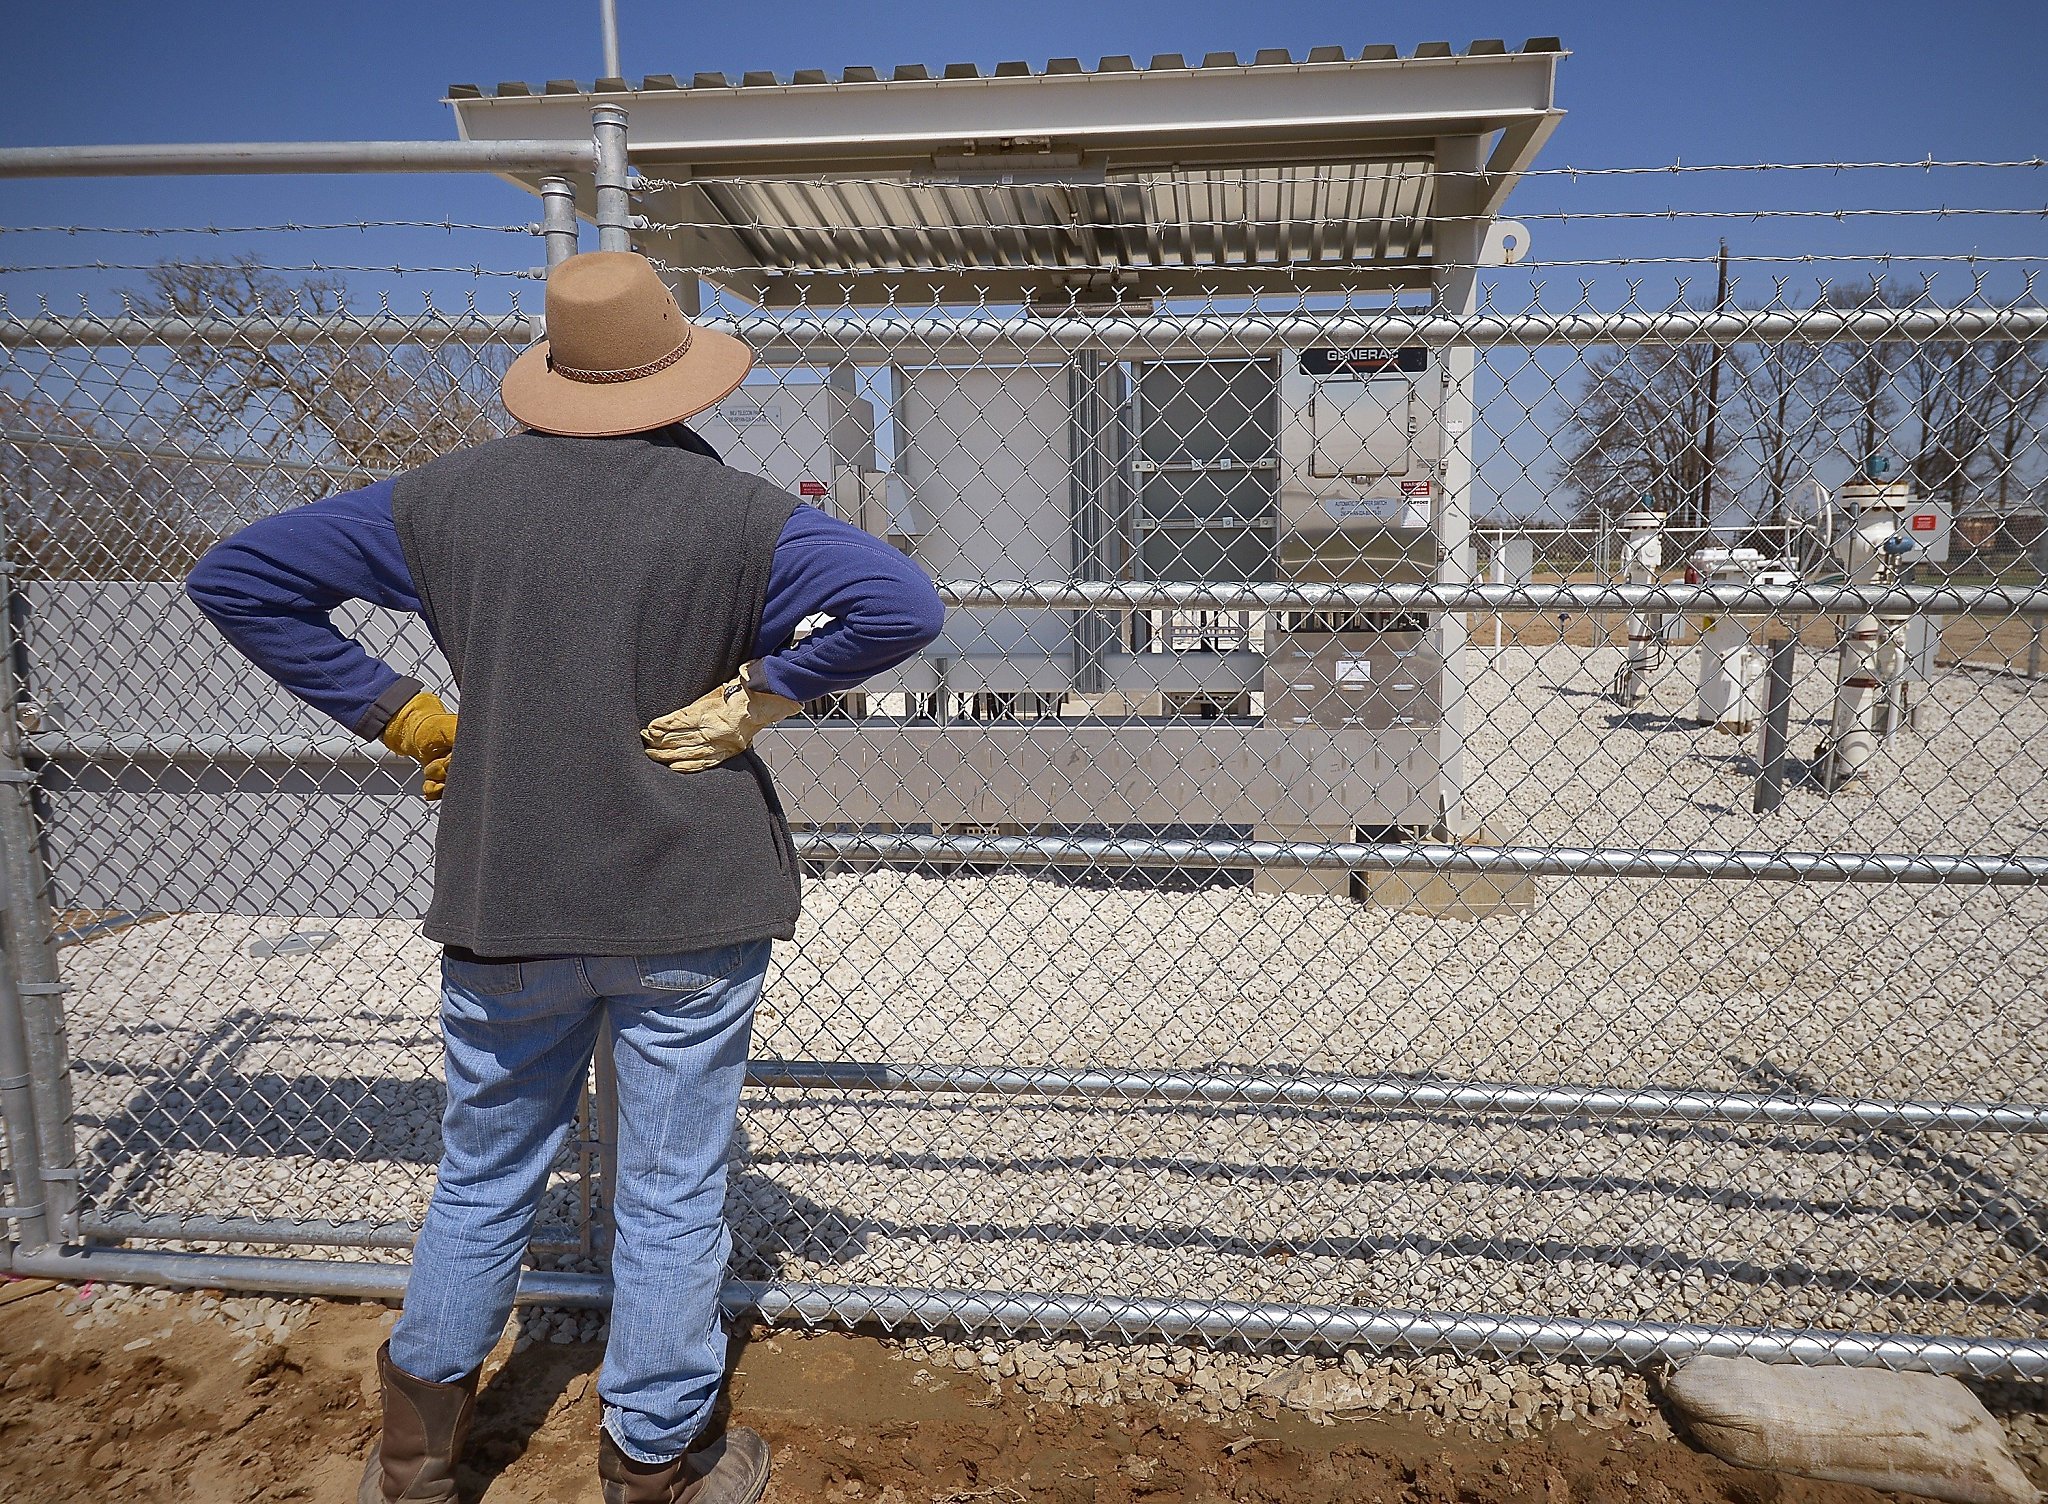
[1737,79]
[1646,84]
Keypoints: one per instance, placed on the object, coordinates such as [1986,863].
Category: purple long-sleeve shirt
[269,589]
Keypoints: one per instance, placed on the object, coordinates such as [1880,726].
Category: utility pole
[1713,453]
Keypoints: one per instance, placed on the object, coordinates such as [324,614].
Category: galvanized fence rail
[1244,925]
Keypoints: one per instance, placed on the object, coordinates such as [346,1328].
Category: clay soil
[157,1406]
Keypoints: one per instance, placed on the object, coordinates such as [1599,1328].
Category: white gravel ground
[213,1082]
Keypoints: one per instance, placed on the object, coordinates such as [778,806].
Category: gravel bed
[216,1082]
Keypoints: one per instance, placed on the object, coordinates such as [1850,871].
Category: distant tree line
[1961,418]
[133,473]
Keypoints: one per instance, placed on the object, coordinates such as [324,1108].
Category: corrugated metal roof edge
[1059,67]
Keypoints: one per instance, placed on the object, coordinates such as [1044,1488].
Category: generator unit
[816,440]
[1360,461]
[1361,447]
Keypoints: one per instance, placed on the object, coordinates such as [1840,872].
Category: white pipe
[1852,740]
[1866,645]
[1642,555]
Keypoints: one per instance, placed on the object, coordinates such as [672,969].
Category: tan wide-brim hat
[619,356]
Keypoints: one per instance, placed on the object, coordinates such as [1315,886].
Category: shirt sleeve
[883,607]
[269,589]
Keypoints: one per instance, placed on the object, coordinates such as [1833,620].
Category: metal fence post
[18,1098]
[1770,781]
[31,949]
[558,219]
[614,203]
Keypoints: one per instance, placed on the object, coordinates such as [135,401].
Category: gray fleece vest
[582,587]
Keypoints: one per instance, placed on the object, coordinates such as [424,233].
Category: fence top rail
[1751,600]
[242,157]
[1025,337]
[1758,600]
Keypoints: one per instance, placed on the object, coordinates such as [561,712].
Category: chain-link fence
[1246,921]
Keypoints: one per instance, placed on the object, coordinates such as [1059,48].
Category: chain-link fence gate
[1245,923]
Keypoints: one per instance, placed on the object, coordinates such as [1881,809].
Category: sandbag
[1918,1433]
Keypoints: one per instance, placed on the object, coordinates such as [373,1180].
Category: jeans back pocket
[484,978]
[699,970]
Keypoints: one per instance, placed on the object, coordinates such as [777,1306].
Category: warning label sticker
[1346,508]
[1414,488]
[811,488]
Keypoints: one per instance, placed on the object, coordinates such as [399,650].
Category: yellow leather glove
[721,724]
[434,778]
[424,730]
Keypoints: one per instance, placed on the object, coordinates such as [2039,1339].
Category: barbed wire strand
[283,227]
[991,175]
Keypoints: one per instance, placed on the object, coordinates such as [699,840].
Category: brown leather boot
[731,1470]
[424,1428]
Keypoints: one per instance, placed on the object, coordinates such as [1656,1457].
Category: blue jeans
[519,1037]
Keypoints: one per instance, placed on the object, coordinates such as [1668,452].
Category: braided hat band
[630,375]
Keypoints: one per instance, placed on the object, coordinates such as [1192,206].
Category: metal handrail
[242,157]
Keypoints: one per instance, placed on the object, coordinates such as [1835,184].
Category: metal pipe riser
[614,202]
[1852,732]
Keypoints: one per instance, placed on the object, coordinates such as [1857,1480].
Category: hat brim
[541,398]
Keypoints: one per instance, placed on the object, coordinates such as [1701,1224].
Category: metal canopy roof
[1175,180]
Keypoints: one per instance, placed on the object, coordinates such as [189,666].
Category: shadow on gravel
[206,1106]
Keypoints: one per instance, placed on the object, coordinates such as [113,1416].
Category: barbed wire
[285,227]
[528,273]
[1250,222]
[1333,263]
[1416,167]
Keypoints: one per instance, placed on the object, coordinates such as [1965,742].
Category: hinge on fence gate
[42,989]
[16,775]
[65,1205]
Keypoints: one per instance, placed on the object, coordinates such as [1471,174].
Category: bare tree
[369,406]
[2016,374]
[1788,397]
[1638,428]
[1869,373]
[83,503]
[1961,415]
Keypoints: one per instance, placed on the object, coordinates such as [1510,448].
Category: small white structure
[1731,666]
[1236,451]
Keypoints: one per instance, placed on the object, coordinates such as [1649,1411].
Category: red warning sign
[1925,522]
[811,488]
[1414,488]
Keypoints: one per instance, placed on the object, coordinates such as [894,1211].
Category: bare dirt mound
[171,1404]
